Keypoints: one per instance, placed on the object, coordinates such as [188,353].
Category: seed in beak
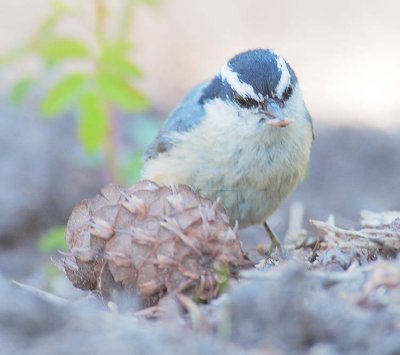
[276,122]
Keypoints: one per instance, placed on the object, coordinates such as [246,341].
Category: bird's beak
[276,117]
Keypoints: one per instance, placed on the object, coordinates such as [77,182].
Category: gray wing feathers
[188,114]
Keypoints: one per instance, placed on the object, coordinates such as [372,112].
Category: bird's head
[261,88]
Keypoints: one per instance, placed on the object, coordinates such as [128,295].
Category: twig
[46,296]
[368,238]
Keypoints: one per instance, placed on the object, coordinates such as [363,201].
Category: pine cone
[151,241]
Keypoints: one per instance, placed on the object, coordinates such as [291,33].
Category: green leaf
[131,172]
[46,28]
[53,240]
[60,7]
[20,90]
[119,47]
[148,2]
[21,51]
[127,67]
[62,94]
[222,276]
[118,64]
[121,92]
[59,48]
[93,123]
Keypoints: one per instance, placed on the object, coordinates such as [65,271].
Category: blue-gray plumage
[186,115]
[244,136]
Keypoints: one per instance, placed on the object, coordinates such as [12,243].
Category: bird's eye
[287,93]
[245,101]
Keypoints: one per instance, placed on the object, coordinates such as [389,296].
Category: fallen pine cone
[151,240]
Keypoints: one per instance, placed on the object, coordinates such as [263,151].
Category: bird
[244,136]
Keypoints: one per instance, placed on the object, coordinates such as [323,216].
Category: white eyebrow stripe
[285,76]
[243,89]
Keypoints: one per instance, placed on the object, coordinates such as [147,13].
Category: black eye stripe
[287,93]
[246,102]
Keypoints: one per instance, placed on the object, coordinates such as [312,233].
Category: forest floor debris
[336,291]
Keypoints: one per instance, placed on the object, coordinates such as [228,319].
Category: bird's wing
[188,114]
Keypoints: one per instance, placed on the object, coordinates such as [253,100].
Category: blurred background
[84,86]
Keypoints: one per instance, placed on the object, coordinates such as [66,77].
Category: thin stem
[110,144]
[126,20]
[101,12]
[110,148]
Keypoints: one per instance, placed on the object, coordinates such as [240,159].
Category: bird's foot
[275,243]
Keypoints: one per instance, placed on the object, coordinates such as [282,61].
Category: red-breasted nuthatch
[244,136]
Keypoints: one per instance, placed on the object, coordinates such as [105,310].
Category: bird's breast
[254,179]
